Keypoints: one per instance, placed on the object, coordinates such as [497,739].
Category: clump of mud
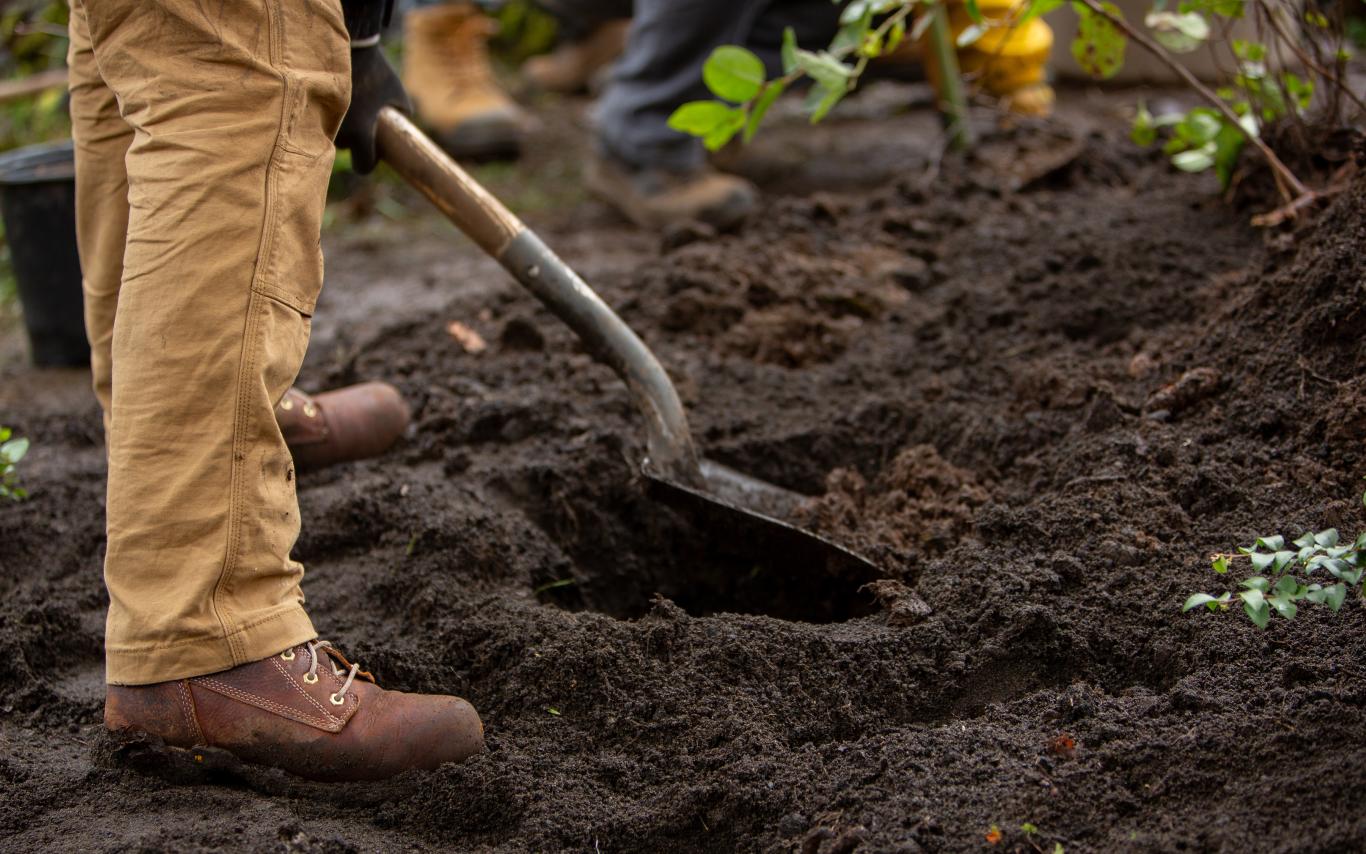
[917,507]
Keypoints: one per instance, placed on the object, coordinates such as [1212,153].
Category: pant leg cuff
[259,640]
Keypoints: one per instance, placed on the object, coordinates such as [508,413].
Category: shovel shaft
[506,238]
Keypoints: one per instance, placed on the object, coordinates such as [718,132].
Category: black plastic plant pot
[38,202]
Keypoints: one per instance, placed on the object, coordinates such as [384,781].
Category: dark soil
[1038,387]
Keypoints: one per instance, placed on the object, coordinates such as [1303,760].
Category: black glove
[374,85]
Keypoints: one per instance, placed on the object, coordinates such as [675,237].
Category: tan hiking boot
[655,198]
[447,74]
[574,66]
[308,711]
[352,423]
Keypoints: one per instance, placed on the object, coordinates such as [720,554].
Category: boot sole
[201,765]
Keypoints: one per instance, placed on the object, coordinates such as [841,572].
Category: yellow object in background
[1008,62]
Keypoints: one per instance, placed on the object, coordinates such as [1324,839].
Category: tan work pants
[203,148]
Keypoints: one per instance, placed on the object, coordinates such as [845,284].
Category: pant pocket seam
[300,304]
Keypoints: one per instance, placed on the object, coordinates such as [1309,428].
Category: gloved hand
[374,85]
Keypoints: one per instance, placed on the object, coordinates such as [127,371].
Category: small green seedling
[11,452]
[1278,587]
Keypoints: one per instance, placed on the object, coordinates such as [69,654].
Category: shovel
[716,496]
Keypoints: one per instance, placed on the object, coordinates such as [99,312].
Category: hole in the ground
[626,548]
[715,583]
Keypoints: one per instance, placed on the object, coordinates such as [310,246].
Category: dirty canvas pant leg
[232,108]
[661,68]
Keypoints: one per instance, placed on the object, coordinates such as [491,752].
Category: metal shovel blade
[744,508]
[719,499]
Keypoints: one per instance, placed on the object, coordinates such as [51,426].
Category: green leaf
[1228,148]
[733,73]
[700,118]
[849,38]
[789,50]
[1195,159]
[1280,560]
[1099,45]
[5,433]
[1328,538]
[14,450]
[1220,564]
[973,11]
[1284,606]
[895,36]
[1334,595]
[1254,605]
[1196,600]
[823,100]
[824,69]
[1261,562]
[1178,32]
[1028,828]
[970,35]
[1287,585]
[1256,582]
[1337,566]
[756,114]
[717,137]
[1277,542]
[1305,541]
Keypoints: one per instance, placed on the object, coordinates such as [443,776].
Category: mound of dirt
[1041,398]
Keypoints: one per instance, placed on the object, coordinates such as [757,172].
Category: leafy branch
[11,452]
[1277,585]
[1293,191]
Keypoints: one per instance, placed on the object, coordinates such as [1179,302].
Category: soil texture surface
[1037,386]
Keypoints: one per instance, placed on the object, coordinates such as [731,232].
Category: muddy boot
[575,66]
[308,711]
[447,74]
[655,198]
[352,423]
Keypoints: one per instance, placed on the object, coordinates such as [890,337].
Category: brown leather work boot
[575,66]
[447,73]
[308,711]
[352,423]
[655,198]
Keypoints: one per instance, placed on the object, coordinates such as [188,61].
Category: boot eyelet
[337,701]
[310,410]
[287,655]
[310,678]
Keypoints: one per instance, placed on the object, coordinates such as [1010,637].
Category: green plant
[736,76]
[1278,586]
[1235,113]
[11,452]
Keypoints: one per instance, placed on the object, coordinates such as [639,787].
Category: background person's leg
[661,69]
[233,109]
[101,138]
[668,42]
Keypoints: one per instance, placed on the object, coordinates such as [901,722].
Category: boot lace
[311,676]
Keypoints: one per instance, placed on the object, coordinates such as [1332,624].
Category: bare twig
[1291,187]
